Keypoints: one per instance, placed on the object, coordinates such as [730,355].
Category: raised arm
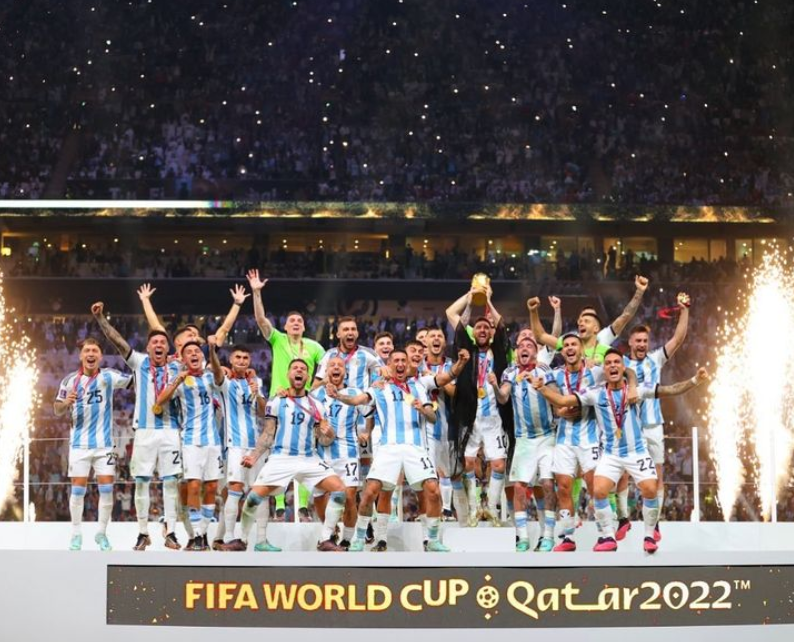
[238,296]
[444,378]
[679,335]
[556,326]
[98,309]
[461,307]
[215,363]
[683,386]
[619,324]
[490,306]
[262,321]
[145,293]
[541,336]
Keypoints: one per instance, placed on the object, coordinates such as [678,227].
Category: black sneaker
[170,542]
[198,544]
[143,541]
[537,546]
[380,547]
[447,516]
[190,543]
[424,545]
[205,545]
[370,534]
[344,544]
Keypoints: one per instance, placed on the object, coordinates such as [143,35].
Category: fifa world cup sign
[448,597]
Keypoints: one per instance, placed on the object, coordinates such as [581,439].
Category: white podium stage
[706,579]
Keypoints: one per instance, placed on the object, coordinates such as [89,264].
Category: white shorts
[640,467]
[236,472]
[489,434]
[348,470]
[569,460]
[159,450]
[654,437]
[280,470]
[532,460]
[82,460]
[391,459]
[202,462]
[441,455]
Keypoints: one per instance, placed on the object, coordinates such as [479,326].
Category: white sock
[522,524]
[105,506]
[262,517]
[472,492]
[362,523]
[495,488]
[348,532]
[650,515]
[207,513]
[333,511]
[423,520]
[142,501]
[460,499]
[381,527]
[432,525]
[76,504]
[660,499]
[623,503]
[549,521]
[230,508]
[603,515]
[170,503]
[446,493]
[567,523]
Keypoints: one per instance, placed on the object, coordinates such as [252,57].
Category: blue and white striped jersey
[241,425]
[360,366]
[295,420]
[532,414]
[198,412]
[343,420]
[649,371]
[487,406]
[92,412]
[149,381]
[400,422]
[584,430]
[439,430]
[623,440]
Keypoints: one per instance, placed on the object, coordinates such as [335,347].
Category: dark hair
[190,343]
[613,351]
[639,328]
[398,350]
[292,313]
[185,328]
[486,319]
[383,335]
[90,341]
[414,342]
[240,348]
[298,360]
[157,333]
[431,328]
[588,313]
[346,319]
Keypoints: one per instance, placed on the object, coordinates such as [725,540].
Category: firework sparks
[18,397]
[748,403]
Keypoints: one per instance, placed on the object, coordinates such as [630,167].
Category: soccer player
[623,442]
[534,447]
[87,394]
[343,452]
[596,340]
[285,347]
[361,364]
[201,443]
[292,424]
[403,406]
[483,422]
[383,346]
[577,448]
[243,403]
[156,445]
[648,367]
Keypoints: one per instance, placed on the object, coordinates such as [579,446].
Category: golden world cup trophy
[480,284]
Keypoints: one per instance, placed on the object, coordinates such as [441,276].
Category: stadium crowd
[401,100]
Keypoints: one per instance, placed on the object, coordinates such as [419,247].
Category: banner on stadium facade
[450,598]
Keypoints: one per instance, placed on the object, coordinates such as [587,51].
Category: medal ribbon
[620,417]
[153,373]
[482,370]
[578,380]
[312,410]
[76,386]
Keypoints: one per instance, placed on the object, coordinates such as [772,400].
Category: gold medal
[157,409]
[519,378]
[409,398]
[481,393]
[190,380]
[435,406]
